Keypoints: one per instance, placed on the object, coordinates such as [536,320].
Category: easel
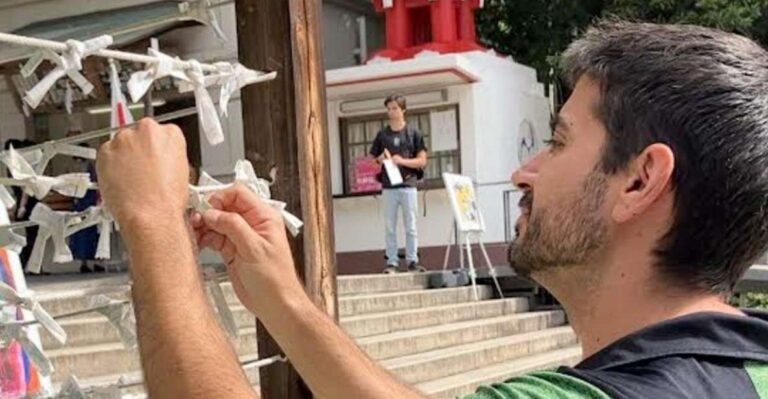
[464,232]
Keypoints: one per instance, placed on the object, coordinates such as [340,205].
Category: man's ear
[646,179]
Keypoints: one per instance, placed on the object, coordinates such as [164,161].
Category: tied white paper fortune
[70,184]
[245,175]
[220,301]
[139,83]
[11,297]
[230,77]
[69,63]
[120,315]
[97,216]
[51,225]
[206,109]
[50,149]
[12,241]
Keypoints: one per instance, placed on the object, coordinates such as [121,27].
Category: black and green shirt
[702,355]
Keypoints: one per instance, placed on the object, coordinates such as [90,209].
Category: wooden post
[285,127]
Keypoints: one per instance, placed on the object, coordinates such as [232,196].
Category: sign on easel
[469,223]
[466,211]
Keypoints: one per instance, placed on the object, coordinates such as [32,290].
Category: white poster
[461,193]
[443,130]
[393,172]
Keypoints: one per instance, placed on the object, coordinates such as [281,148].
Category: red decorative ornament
[441,26]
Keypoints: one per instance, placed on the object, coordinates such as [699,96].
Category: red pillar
[397,26]
[467,32]
[443,14]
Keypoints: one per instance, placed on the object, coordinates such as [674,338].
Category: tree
[535,32]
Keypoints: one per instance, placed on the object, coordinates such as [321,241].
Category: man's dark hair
[399,99]
[704,93]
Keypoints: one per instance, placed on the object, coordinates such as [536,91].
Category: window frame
[426,184]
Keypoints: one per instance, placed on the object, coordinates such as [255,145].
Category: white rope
[118,55]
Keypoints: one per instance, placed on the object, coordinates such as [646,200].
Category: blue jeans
[406,198]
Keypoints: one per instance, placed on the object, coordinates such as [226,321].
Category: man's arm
[251,238]
[184,353]
[414,163]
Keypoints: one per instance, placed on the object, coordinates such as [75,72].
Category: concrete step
[445,362]
[93,328]
[459,385]
[400,320]
[96,360]
[403,343]
[387,302]
[73,295]
[112,358]
[374,283]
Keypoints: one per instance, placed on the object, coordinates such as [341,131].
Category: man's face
[563,218]
[394,111]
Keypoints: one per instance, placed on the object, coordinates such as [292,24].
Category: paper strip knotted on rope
[69,63]
[245,175]
[50,149]
[70,184]
[52,225]
[96,216]
[120,315]
[11,297]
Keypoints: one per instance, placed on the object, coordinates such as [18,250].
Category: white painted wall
[490,113]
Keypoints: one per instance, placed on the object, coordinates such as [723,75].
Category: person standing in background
[403,145]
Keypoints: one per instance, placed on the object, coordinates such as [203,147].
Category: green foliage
[535,32]
[751,300]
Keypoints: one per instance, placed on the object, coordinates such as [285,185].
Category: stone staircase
[437,339]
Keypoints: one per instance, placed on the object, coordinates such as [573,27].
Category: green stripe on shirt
[542,385]
[758,373]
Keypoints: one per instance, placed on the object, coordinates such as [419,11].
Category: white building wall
[490,114]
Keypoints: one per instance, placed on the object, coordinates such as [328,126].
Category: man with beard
[647,206]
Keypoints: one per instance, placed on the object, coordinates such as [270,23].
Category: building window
[440,127]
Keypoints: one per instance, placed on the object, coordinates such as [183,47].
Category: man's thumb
[231,225]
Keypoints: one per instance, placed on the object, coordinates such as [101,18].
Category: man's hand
[250,236]
[143,173]
[397,159]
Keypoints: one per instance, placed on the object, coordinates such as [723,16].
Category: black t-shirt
[407,143]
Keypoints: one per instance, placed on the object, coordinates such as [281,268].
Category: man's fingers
[231,225]
[237,198]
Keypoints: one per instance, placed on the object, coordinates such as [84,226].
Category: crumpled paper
[245,175]
[120,315]
[96,216]
[68,63]
[11,297]
[140,81]
[70,184]
[50,149]
[52,225]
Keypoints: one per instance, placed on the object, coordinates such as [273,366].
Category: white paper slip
[393,172]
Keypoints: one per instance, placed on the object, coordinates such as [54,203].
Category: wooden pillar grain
[284,125]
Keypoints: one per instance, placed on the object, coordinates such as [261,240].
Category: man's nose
[525,176]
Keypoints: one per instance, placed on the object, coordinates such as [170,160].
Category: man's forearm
[184,352]
[414,163]
[327,359]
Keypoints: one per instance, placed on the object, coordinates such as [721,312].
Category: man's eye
[552,143]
